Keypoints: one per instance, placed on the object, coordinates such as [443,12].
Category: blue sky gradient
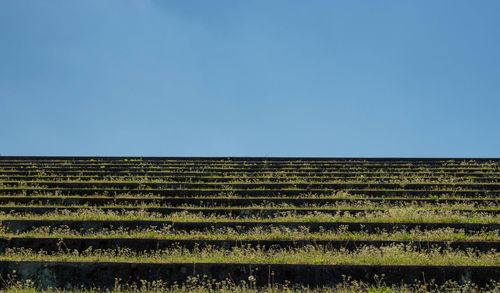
[250,78]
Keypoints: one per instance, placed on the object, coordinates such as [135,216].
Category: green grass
[258,233]
[203,284]
[147,189]
[396,215]
[338,206]
[339,195]
[250,182]
[314,255]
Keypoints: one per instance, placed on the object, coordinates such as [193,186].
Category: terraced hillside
[274,223]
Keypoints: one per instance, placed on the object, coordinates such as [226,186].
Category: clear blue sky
[258,78]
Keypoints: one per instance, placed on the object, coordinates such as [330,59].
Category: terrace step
[104,274]
[248,192]
[247,161]
[256,178]
[431,186]
[233,211]
[295,173]
[25,225]
[148,244]
[233,201]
